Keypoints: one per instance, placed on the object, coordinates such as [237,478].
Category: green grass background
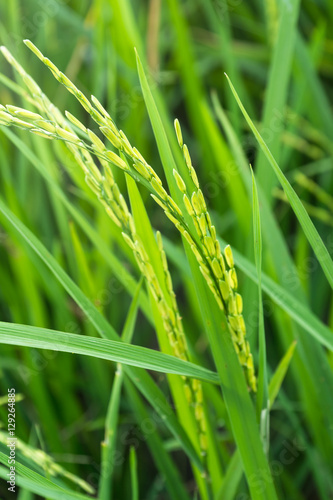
[278,55]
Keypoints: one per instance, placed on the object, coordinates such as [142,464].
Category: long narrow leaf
[262,395]
[309,229]
[119,352]
[279,374]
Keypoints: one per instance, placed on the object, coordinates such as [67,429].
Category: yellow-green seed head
[218,298]
[56,72]
[202,202]
[241,324]
[109,175]
[65,80]
[197,254]
[67,136]
[242,358]
[174,206]
[203,425]
[234,339]
[239,302]
[195,203]
[225,289]
[203,224]
[116,160]
[217,269]
[150,270]
[20,123]
[23,113]
[153,173]
[249,361]
[205,272]
[82,99]
[186,235]
[188,205]
[196,385]
[41,133]
[220,259]
[131,225]
[228,256]
[5,117]
[233,322]
[179,181]
[198,230]
[123,206]
[177,350]
[34,49]
[100,107]
[31,84]
[125,142]
[97,143]
[159,241]
[187,156]
[138,155]
[113,128]
[94,186]
[203,442]
[234,279]
[171,217]
[46,125]
[116,192]
[194,177]
[209,244]
[232,305]
[168,279]
[212,232]
[161,203]
[112,137]
[199,412]
[217,249]
[75,121]
[128,241]
[178,132]
[142,170]
[188,393]
[159,189]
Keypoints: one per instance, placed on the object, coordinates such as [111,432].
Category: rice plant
[152,301]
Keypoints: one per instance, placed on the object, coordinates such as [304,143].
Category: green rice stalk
[218,269]
[108,193]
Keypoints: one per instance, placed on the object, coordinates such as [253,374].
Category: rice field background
[166,240]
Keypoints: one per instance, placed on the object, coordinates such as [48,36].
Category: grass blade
[276,92]
[262,395]
[309,229]
[119,352]
[134,474]
[280,373]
